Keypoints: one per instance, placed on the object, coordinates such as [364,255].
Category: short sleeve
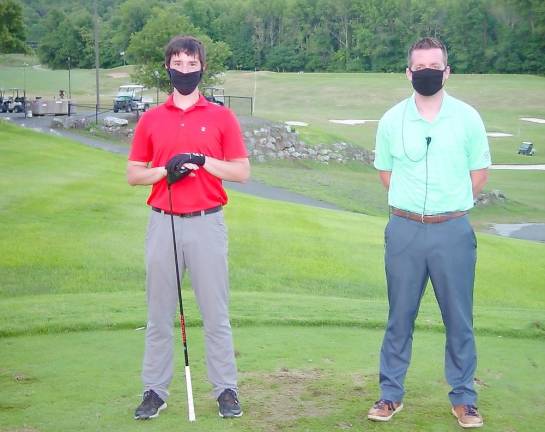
[141,149]
[383,156]
[232,140]
[478,150]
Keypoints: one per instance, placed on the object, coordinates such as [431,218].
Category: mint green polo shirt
[458,145]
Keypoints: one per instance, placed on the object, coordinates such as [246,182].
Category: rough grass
[308,309]
[356,187]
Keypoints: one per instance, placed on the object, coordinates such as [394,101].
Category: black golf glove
[196,158]
[175,169]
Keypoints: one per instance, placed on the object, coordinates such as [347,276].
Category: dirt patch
[276,401]
[285,396]
[118,75]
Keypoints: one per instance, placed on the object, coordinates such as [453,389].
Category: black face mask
[427,82]
[185,83]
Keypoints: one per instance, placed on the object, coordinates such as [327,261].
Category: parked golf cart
[15,102]
[527,149]
[129,98]
[214,94]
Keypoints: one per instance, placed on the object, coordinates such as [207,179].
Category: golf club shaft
[190,404]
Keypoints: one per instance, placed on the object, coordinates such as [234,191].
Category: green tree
[147,48]
[12,30]
[124,21]
[284,58]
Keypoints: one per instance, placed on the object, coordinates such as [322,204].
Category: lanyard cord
[425,155]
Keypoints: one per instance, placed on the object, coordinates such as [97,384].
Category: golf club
[190,405]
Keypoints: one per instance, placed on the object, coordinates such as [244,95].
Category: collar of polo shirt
[446,109]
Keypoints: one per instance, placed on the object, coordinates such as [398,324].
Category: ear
[446,74]
[409,74]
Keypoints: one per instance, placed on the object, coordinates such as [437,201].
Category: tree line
[482,36]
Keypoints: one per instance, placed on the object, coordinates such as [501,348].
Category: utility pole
[69,84]
[97,64]
[156,73]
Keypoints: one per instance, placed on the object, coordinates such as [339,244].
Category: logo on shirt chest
[203,129]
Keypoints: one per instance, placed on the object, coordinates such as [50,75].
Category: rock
[111,121]
[57,123]
[488,198]
[266,140]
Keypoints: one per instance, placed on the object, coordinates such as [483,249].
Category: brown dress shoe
[468,416]
[384,410]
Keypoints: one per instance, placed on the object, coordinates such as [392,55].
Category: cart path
[528,167]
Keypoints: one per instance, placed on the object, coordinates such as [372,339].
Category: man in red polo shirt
[187,128]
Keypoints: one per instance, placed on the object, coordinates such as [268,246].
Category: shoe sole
[231,416]
[466,425]
[385,419]
[162,407]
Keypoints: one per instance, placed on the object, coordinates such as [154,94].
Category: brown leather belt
[190,214]
[428,219]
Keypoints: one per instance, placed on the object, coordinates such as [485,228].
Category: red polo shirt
[167,130]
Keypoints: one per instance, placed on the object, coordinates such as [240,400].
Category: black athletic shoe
[150,406]
[229,405]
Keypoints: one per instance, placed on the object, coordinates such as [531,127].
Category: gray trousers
[446,253]
[202,250]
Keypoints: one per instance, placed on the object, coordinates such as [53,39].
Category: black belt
[190,214]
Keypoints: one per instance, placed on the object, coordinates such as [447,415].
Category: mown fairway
[308,309]
[319,97]
[316,98]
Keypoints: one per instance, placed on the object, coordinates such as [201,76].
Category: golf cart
[527,149]
[14,102]
[214,94]
[129,98]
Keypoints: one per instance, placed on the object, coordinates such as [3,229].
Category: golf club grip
[190,405]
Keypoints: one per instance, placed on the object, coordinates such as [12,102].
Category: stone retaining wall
[276,141]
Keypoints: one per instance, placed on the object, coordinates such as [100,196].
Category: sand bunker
[295,123]
[498,134]
[352,122]
[533,120]
[118,75]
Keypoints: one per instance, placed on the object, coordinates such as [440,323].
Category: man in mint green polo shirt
[432,155]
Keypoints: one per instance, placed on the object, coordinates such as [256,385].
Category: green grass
[44,82]
[90,382]
[316,98]
[308,309]
[356,187]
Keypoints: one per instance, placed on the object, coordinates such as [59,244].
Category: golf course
[308,292]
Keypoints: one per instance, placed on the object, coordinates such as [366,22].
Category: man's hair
[187,45]
[427,43]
